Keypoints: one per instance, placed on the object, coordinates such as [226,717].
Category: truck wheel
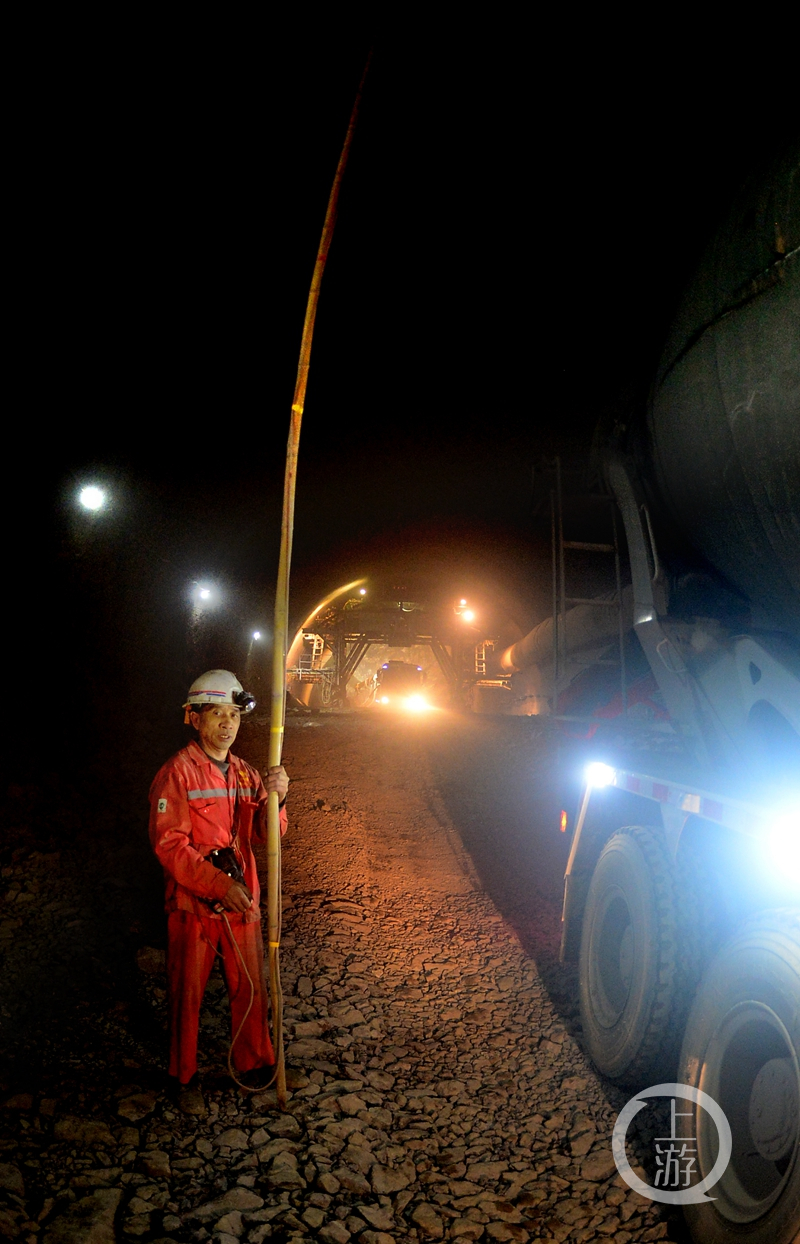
[742,1046]
[628,957]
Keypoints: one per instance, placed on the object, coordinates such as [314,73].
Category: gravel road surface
[438,1085]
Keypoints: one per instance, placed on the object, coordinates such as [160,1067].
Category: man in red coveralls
[204,799]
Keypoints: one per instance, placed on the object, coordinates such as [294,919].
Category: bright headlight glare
[416,703]
[598,774]
[784,844]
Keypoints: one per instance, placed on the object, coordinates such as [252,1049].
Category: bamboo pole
[281,624]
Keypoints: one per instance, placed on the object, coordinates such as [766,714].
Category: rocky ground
[438,1085]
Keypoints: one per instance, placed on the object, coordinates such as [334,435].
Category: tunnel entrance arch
[357,619]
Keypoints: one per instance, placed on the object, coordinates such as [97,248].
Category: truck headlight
[416,703]
[784,843]
[598,774]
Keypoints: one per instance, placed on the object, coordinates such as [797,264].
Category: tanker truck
[682,887]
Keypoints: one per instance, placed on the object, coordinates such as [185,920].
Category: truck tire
[629,971]
[742,1046]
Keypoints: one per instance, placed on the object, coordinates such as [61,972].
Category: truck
[682,888]
[399,682]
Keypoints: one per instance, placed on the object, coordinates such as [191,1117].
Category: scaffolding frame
[560,547]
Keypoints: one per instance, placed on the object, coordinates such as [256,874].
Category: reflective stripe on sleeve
[220,792]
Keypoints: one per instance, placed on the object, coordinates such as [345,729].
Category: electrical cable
[244,1087]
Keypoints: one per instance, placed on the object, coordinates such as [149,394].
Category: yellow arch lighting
[297,642]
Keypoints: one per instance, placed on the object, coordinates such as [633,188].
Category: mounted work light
[784,843]
[599,774]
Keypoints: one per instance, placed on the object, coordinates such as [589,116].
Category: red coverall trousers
[192,945]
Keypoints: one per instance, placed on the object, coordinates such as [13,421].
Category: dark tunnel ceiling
[516,227]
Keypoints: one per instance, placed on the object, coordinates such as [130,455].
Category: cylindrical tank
[723,429]
[585,626]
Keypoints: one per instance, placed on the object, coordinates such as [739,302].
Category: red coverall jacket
[193,810]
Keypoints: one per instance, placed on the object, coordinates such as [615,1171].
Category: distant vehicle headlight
[784,844]
[384,699]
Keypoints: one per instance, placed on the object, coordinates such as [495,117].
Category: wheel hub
[615,960]
[774,1110]
[751,1073]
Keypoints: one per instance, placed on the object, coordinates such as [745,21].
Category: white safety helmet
[219,687]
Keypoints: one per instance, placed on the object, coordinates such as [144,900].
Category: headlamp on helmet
[244,700]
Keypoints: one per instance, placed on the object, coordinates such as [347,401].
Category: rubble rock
[268,1100]
[236,1198]
[508,1231]
[428,1221]
[87,1221]
[385,1180]
[230,1224]
[10,1223]
[19,1101]
[136,1226]
[376,1217]
[137,1107]
[466,1229]
[283,1172]
[313,1028]
[334,1233]
[233,1137]
[598,1166]
[11,1179]
[82,1132]
[450,1088]
[155,1162]
[345,1016]
[310,1047]
[351,1103]
[328,1183]
[191,1101]
[480,1171]
[284,1125]
[343,1129]
[352,1181]
[103,1177]
[151,960]
[582,1136]
[279,1145]
[380,1080]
